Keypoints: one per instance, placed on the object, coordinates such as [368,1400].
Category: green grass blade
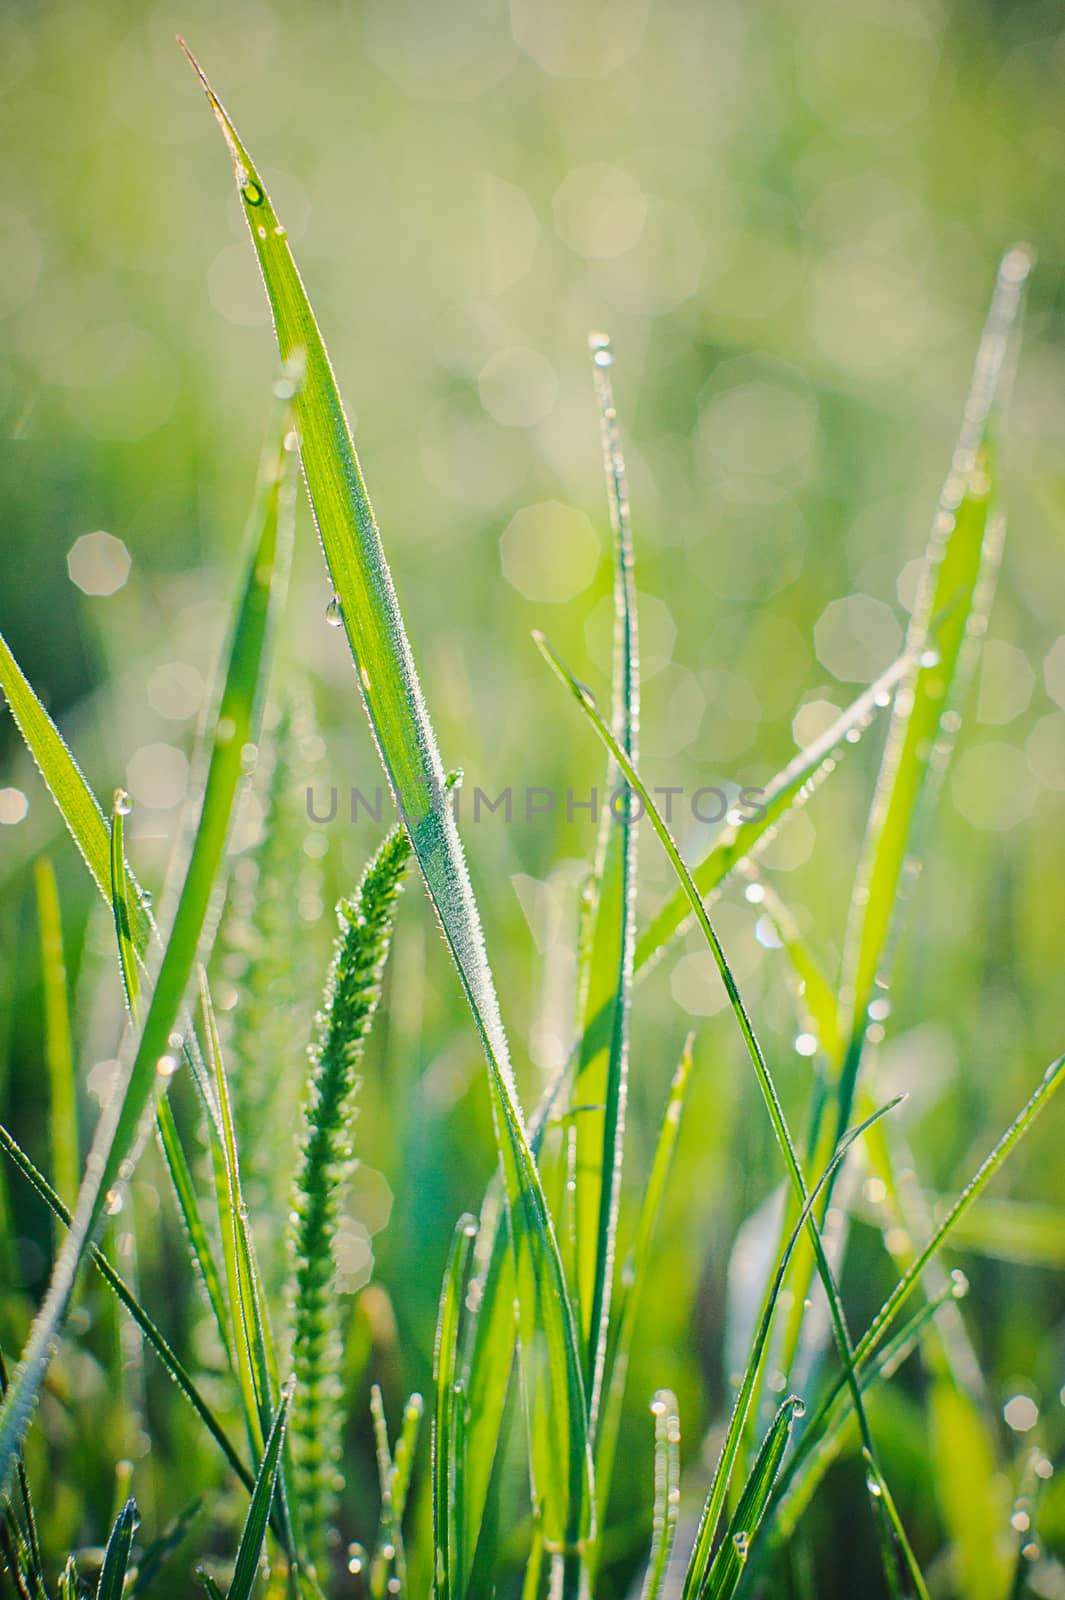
[601,1079]
[448,1511]
[154,1557]
[707,1530]
[27,1533]
[324,1167]
[366,604]
[764,1077]
[731,1558]
[667,1491]
[63,1109]
[117,1554]
[920,1588]
[791,786]
[208,1582]
[634,1277]
[124,1293]
[69,1584]
[120,904]
[250,1548]
[962,554]
[234,727]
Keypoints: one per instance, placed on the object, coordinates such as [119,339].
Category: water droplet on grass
[333,614]
[122,803]
[251,192]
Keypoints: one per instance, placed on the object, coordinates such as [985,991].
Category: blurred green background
[788,218]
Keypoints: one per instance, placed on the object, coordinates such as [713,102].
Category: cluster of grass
[541,1294]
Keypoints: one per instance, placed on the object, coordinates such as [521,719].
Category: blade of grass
[601,1081]
[920,1588]
[152,1561]
[29,1537]
[764,1078]
[59,1055]
[249,1551]
[365,602]
[447,1465]
[667,1491]
[728,1564]
[117,1554]
[121,1289]
[110,1158]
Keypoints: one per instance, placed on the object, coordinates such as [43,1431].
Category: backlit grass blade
[764,1078]
[153,1058]
[920,1588]
[62,1109]
[167,1356]
[728,1564]
[448,1511]
[634,1277]
[950,613]
[707,1530]
[117,1554]
[365,602]
[667,1491]
[601,1081]
[792,785]
[250,1550]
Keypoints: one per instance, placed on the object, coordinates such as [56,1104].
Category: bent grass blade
[365,600]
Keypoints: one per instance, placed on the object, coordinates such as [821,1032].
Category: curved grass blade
[117,1554]
[704,1538]
[324,1167]
[731,1558]
[170,1360]
[764,1078]
[634,1277]
[250,1548]
[117,1132]
[448,1514]
[955,600]
[920,1588]
[601,1080]
[799,778]
[365,602]
[59,1054]
[667,1491]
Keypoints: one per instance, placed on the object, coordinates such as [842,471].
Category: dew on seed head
[333,614]
[122,803]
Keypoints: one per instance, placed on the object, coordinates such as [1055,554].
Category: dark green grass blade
[155,1556]
[634,1277]
[920,1588]
[601,1081]
[731,1558]
[234,727]
[213,1591]
[117,1553]
[762,1073]
[250,1549]
[122,1291]
[388,682]
[707,1530]
[791,786]
[667,1491]
[27,1532]
[448,1508]
[62,1109]
[956,598]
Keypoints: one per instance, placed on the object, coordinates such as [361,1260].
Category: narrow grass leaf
[234,728]
[730,1560]
[154,1557]
[26,1526]
[667,1491]
[117,1554]
[59,1054]
[920,1588]
[448,1515]
[324,1167]
[250,1550]
[365,603]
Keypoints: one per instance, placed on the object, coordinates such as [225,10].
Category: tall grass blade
[667,1491]
[448,1512]
[601,1080]
[764,1078]
[234,727]
[26,1531]
[365,602]
[324,1167]
[920,1588]
[249,1551]
[730,1560]
[117,1554]
[59,1054]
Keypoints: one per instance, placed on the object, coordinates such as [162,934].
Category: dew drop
[113,1202]
[333,614]
[742,1543]
[251,192]
[122,803]
[356,1558]
[873,1487]
[166,1066]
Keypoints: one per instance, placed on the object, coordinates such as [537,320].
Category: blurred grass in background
[788,218]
